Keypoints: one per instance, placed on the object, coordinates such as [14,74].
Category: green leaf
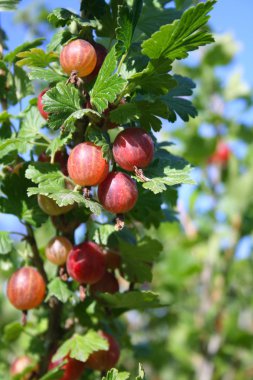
[61,102]
[59,38]
[137,259]
[167,170]
[154,79]
[137,300]
[22,85]
[101,139]
[8,5]
[127,20]
[12,331]
[30,128]
[58,289]
[36,57]
[55,373]
[5,243]
[174,41]
[46,75]
[176,102]
[108,85]
[80,347]
[12,56]
[61,17]
[114,374]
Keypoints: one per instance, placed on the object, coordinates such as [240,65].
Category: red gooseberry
[101,53]
[86,165]
[107,284]
[58,249]
[86,263]
[80,56]
[26,288]
[104,360]
[133,148]
[20,365]
[41,106]
[118,193]
[50,207]
[72,369]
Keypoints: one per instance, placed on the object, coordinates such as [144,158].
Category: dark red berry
[118,193]
[105,360]
[40,104]
[86,165]
[26,288]
[73,369]
[132,148]
[107,284]
[80,56]
[86,263]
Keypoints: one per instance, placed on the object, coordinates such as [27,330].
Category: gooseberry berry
[73,369]
[107,284]
[50,207]
[41,106]
[26,288]
[86,263]
[104,360]
[80,56]
[118,193]
[86,165]
[101,53]
[58,249]
[20,365]
[133,148]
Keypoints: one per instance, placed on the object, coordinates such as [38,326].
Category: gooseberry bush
[83,163]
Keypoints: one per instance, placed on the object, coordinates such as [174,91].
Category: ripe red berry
[58,249]
[86,165]
[107,284]
[118,193]
[40,104]
[105,360]
[221,155]
[73,369]
[80,56]
[112,260]
[61,157]
[50,207]
[86,263]
[101,53]
[20,365]
[132,148]
[26,288]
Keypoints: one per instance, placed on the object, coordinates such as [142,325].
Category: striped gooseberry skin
[26,288]
[80,56]
[133,147]
[118,193]
[40,105]
[107,284]
[58,249]
[104,360]
[86,263]
[86,165]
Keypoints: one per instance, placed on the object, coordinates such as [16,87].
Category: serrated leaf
[108,85]
[77,115]
[174,41]
[46,75]
[137,258]
[101,139]
[5,243]
[58,289]
[80,347]
[132,300]
[175,101]
[167,170]
[61,102]
[36,57]
[45,174]
[59,38]
[61,17]
[12,56]
[30,127]
[8,5]
[114,374]
[126,21]
[12,331]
